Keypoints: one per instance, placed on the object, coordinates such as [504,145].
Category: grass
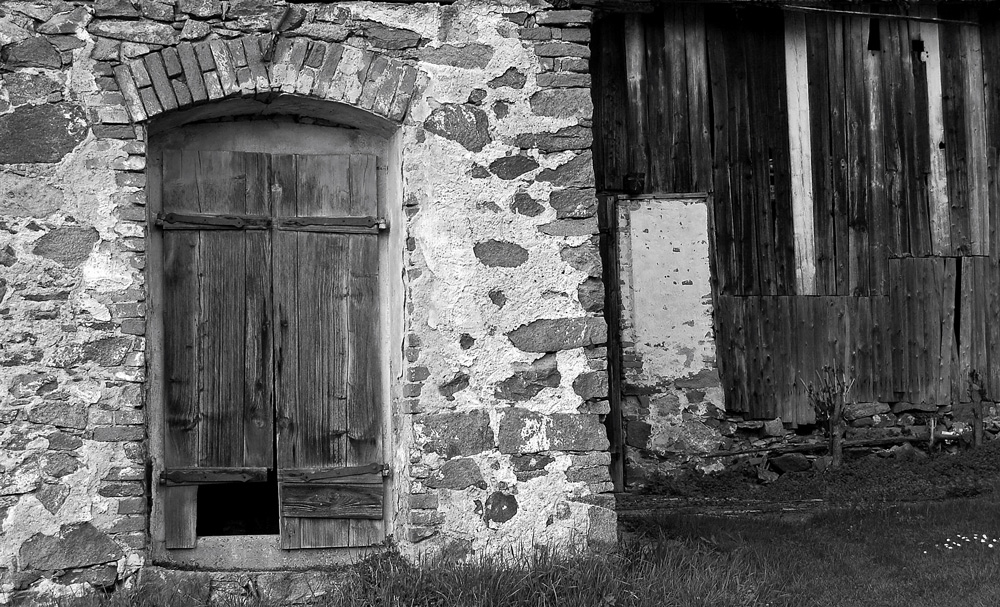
[916,555]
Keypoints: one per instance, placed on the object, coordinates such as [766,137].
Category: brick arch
[189,74]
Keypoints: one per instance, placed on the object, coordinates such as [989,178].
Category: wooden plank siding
[853,166]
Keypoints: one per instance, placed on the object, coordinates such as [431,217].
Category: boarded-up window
[271,327]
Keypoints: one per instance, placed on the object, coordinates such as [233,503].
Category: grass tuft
[916,555]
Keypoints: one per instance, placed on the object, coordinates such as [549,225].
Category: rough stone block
[526,383]
[568,138]
[570,227]
[133,326]
[457,383]
[637,434]
[853,411]
[573,432]
[468,56]
[591,385]
[555,334]
[576,34]
[194,586]
[60,464]
[25,197]
[110,434]
[66,23]
[68,246]
[595,407]
[132,505]
[24,87]
[200,8]
[426,517]
[574,203]
[774,427]
[564,17]
[599,474]
[791,462]
[497,253]
[419,534]
[499,508]
[59,414]
[158,11]
[467,125]
[585,258]
[122,489]
[602,530]
[562,49]
[512,167]
[573,64]
[76,545]
[562,80]
[52,496]
[36,51]
[144,32]
[41,133]
[511,78]
[453,434]
[563,103]
[424,501]
[578,172]
[115,8]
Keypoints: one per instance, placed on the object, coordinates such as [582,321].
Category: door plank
[340,501]
[180,511]
[324,187]
[364,390]
[181,319]
[364,186]
[222,343]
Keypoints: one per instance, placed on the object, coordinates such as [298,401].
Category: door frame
[280,135]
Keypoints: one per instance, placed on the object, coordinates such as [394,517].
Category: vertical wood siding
[853,166]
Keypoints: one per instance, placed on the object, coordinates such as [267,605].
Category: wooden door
[327,373]
[271,313]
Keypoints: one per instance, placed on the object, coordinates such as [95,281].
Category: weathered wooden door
[271,323]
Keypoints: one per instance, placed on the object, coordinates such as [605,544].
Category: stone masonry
[499,412]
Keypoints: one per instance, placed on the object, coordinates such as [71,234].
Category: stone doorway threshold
[222,587]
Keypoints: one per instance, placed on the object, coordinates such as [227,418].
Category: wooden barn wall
[853,166]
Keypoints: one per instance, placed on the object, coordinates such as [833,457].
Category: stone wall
[499,408]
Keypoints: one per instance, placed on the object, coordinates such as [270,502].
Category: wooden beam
[635,72]
[938,179]
[800,148]
[975,135]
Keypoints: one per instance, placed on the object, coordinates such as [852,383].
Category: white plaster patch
[666,290]
[90,192]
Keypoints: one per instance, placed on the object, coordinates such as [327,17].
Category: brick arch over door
[189,74]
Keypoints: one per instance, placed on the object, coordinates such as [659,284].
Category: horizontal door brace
[183,221]
[212,476]
[334,475]
[360,225]
[202,221]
